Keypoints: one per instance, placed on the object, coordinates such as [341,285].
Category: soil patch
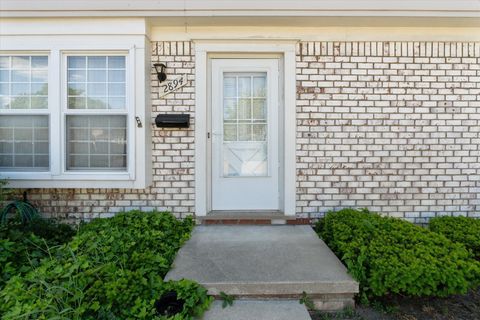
[458,307]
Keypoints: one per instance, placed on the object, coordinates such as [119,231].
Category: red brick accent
[299,221]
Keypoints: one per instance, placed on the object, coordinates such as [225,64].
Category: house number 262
[172,85]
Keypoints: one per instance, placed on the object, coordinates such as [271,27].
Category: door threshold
[245,217]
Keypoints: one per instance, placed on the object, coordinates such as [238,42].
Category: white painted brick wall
[391,126]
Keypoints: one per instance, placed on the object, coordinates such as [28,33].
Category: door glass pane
[245,138]
[259,109]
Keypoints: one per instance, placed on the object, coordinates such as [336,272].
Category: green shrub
[4,192]
[23,246]
[459,229]
[393,256]
[112,269]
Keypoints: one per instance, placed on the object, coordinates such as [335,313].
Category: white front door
[244,134]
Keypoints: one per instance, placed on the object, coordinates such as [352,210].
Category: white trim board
[338,33]
[19,8]
[204,48]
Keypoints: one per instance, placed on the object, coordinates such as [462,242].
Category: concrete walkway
[258,310]
[265,262]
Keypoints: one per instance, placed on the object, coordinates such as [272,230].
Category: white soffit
[245,8]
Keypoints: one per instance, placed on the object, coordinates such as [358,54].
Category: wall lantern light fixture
[160,69]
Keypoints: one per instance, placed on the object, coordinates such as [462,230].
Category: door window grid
[245,107]
[23,82]
[244,122]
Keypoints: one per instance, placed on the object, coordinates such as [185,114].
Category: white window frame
[57,48]
[129,173]
[42,174]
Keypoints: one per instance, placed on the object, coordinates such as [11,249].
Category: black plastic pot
[169,304]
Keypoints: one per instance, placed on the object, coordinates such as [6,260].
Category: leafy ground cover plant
[459,229]
[393,256]
[24,245]
[112,269]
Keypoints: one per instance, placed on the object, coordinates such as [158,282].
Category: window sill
[72,180]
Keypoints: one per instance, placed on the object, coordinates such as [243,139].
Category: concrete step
[258,309]
[265,262]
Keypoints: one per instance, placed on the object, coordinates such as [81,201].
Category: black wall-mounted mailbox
[173,121]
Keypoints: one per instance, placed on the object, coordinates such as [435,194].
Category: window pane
[39,102]
[21,62]
[39,89]
[100,79]
[77,62]
[244,86]
[24,143]
[97,62]
[96,142]
[229,132]
[116,103]
[20,102]
[4,102]
[259,86]
[97,89]
[244,109]
[97,103]
[76,89]
[259,109]
[40,76]
[20,89]
[229,87]
[116,89]
[4,89]
[245,159]
[116,62]
[76,103]
[76,75]
[5,62]
[22,77]
[116,76]
[230,109]
[39,62]
[244,132]
[4,76]
[245,144]
[97,76]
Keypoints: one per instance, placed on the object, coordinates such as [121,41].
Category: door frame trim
[203,50]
